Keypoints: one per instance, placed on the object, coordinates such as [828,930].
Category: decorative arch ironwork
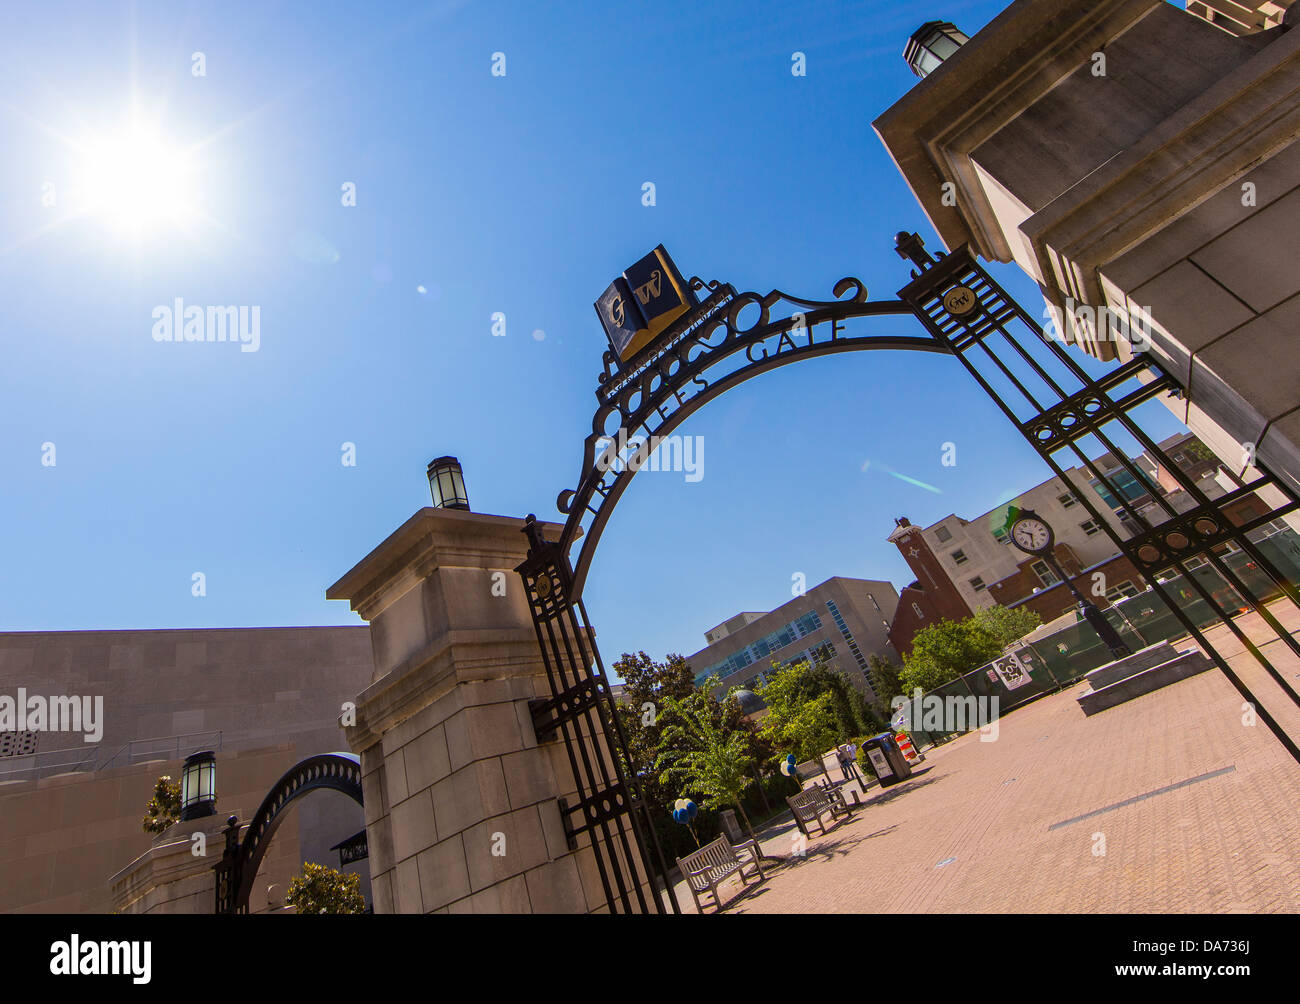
[1049,397]
[238,867]
[678,374]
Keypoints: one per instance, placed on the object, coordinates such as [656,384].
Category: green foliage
[1007,625]
[647,680]
[883,676]
[812,708]
[942,652]
[164,808]
[647,688]
[703,756]
[318,889]
[812,729]
[654,696]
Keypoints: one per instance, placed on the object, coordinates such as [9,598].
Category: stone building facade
[1133,159]
[263,698]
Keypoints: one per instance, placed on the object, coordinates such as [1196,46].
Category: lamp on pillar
[447,484]
[199,786]
[931,44]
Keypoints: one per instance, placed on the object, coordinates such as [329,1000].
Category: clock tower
[945,601]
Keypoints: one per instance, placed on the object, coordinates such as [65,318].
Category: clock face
[1031,534]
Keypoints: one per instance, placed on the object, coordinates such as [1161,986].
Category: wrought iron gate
[1074,407]
[1054,403]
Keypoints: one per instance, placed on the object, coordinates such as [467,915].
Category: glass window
[942,535]
[977,583]
[1067,500]
[1089,526]
[1045,574]
[1122,591]
[959,557]
[1121,486]
[928,62]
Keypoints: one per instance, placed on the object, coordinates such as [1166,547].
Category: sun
[136,180]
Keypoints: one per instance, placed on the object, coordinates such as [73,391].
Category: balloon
[684,810]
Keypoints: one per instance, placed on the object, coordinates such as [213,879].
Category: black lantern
[931,44]
[447,484]
[199,786]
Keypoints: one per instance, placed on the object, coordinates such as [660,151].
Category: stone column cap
[431,538]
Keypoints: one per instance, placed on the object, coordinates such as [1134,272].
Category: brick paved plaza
[975,829]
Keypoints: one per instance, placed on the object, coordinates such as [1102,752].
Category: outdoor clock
[1032,534]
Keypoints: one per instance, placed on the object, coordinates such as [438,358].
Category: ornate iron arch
[1051,400]
[687,368]
[238,867]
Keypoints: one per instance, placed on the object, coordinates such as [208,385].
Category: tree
[883,676]
[703,756]
[645,680]
[164,808]
[648,686]
[1007,625]
[757,746]
[942,652]
[318,889]
[812,708]
[653,692]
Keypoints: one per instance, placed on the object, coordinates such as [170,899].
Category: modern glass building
[841,621]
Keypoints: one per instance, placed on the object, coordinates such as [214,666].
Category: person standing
[848,755]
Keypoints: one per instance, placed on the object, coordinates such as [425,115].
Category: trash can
[886,759]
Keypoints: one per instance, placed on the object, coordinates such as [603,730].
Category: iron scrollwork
[641,403]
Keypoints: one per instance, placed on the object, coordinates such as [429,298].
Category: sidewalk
[996,827]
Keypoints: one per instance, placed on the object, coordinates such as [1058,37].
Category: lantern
[199,785]
[447,484]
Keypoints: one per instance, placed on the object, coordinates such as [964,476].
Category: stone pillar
[461,801]
[170,877]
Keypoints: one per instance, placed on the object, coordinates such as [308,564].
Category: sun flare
[137,181]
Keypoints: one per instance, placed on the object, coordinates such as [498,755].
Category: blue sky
[519,194]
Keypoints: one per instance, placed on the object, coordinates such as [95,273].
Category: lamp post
[1034,536]
[447,484]
[199,786]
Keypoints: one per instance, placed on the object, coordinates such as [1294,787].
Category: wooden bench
[704,869]
[812,803]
